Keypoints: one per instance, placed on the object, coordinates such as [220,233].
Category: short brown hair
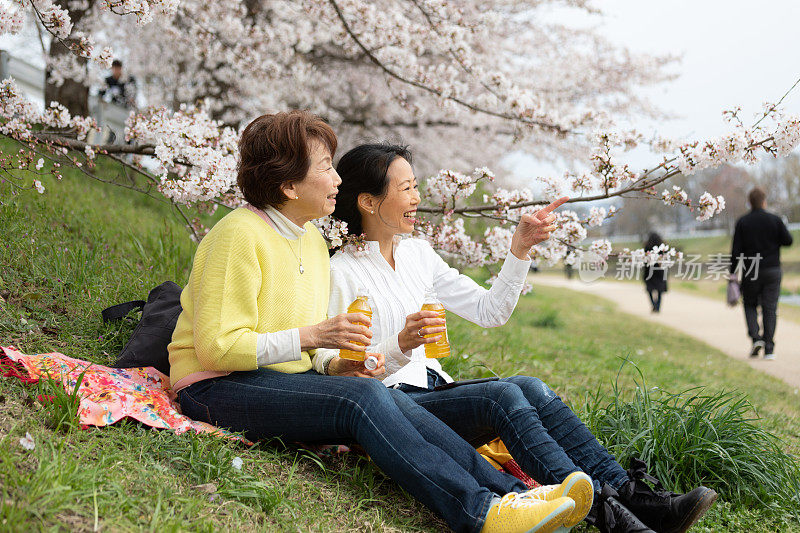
[273,150]
[757,197]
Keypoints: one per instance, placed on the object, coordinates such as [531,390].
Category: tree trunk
[71,94]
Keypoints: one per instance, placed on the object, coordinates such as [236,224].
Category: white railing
[30,79]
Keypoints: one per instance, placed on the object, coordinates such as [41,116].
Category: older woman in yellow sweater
[254,312]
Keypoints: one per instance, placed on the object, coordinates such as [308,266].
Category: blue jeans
[543,435]
[419,452]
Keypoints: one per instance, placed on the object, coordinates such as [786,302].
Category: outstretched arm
[493,307]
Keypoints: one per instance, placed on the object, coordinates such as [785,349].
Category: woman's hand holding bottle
[419,324]
[349,331]
[347,367]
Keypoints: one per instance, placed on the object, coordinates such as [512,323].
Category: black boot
[664,511]
[610,516]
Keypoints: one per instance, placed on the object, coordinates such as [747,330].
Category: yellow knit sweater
[245,281]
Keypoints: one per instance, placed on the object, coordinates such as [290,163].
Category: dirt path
[712,322]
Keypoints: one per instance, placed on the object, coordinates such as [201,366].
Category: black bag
[148,343]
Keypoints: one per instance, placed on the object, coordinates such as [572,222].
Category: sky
[734,53]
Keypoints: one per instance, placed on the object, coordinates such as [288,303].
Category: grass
[62,400]
[695,437]
[718,244]
[83,246]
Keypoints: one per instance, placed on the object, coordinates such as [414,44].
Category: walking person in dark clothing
[655,276]
[755,254]
[119,89]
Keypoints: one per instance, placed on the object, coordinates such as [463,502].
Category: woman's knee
[535,390]
[193,408]
[370,394]
[508,396]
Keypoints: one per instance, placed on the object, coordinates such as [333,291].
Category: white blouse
[396,293]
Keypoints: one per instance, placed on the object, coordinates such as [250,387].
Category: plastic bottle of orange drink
[359,305]
[440,348]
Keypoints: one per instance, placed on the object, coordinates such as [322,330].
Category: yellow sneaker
[513,514]
[577,486]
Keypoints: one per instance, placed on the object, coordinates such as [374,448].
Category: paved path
[712,322]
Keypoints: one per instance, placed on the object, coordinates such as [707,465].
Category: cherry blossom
[710,206]
[12,18]
[597,216]
[335,230]
[675,196]
[497,241]
[55,19]
[27,442]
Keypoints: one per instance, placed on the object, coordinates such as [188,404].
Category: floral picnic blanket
[143,393]
[108,394]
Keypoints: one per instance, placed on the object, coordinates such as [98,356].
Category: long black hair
[653,240]
[364,169]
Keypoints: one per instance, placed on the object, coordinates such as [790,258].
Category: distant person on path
[655,276]
[755,255]
[121,90]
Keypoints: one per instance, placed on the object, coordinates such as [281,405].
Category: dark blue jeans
[543,435]
[418,451]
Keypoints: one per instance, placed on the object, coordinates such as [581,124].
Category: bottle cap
[362,292]
[371,363]
[430,295]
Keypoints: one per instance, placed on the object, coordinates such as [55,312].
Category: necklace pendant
[301,268]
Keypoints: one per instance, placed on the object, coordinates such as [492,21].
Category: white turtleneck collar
[283,225]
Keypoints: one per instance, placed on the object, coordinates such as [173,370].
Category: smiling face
[396,212]
[315,195]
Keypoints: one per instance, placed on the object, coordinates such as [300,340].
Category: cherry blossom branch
[75,144]
[71,143]
[124,165]
[452,53]
[774,107]
[554,128]
[59,24]
[196,161]
[640,185]
[438,123]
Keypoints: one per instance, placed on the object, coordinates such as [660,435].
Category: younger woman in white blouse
[378,197]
